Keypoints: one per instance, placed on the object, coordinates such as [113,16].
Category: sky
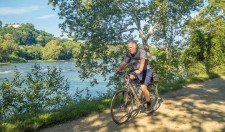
[37,12]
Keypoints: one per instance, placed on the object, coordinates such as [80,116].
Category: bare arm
[141,67]
[122,65]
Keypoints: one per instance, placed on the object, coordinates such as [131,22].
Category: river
[68,70]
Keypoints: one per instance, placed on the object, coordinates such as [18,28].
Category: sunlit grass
[71,112]
[195,78]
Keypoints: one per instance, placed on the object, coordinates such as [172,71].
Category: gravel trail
[196,108]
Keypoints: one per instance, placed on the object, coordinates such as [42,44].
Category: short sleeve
[143,54]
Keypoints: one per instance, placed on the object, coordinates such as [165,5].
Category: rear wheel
[121,106]
[155,100]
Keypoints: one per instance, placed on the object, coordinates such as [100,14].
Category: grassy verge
[201,77]
[86,107]
[1,63]
[71,112]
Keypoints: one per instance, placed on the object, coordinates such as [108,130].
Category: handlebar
[121,73]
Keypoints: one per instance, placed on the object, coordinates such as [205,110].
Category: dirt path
[196,108]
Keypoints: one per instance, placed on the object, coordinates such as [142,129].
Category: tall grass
[71,112]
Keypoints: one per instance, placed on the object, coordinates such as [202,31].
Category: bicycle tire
[121,106]
[155,101]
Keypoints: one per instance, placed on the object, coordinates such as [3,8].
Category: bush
[34,94]
[18,60]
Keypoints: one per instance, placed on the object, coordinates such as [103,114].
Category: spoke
[126,115]
[121,106]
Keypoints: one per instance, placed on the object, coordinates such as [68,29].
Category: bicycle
[124,100]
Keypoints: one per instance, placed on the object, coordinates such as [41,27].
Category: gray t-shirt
[136,58]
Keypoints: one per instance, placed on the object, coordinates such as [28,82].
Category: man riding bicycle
[141,69]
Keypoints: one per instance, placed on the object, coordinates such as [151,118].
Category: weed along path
[196,108]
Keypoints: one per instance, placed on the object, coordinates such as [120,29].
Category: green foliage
[0,23]
[36,93]
[55,49]
[43,37]
[70,50]
[15,59]
[105,25]
[27,34]
[70,112]
[7,48]
[87,106]
[207,37]
[33,52]
[58,50]
[169,70]
[52,50]
[95,21]
[26,43]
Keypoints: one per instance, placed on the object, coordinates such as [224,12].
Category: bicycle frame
[130,86]
[128,97]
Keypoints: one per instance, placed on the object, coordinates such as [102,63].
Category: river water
[69,71]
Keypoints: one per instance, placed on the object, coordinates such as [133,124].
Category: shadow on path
[198,107]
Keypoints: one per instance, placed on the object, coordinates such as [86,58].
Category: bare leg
[145,91]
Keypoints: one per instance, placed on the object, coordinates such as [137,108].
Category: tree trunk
[146,48]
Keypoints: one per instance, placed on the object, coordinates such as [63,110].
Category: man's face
[132,48]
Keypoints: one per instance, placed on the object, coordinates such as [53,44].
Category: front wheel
[121,106]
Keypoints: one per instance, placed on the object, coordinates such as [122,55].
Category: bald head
[132,47]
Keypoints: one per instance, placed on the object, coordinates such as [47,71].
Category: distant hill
[26,34]
[22,42]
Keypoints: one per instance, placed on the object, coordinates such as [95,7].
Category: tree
[27,35]
[43,37]
[7,47]
[69,49]
[0,24]
[207,37]
[52,50]
[31,52]
[104,23]
[33,93]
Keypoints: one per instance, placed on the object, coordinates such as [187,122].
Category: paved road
[196,108]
